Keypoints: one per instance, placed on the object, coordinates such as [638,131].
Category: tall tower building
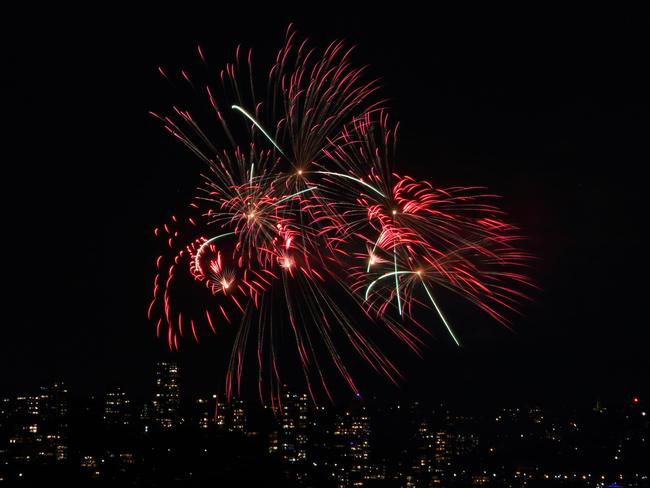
[204,412]
[117,408]
[40,426]
[166,400]
[221,411]
[293,427]
[238,419]
[352,449]
[424,457]
[229,416]
[360,448]
[54,401]
[443,451]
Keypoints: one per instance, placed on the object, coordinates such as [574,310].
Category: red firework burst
[303,226]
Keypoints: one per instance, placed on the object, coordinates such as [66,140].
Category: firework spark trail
[301,223]
[252,119]
[442,317]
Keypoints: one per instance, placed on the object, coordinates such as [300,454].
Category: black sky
[547,109]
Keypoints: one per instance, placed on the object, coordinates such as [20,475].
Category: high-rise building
[40,426]
[166,400]
[352,449]
[221,411]
[360,448]
[274,442]
[230,416]
[54,400]
[204,410]
[238,419]
[443,451]
[292,435]
[424,458]
[117,408]
[55,407]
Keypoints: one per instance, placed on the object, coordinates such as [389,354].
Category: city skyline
[548,110]
[408,444]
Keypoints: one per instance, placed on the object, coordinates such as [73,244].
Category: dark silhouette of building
[117,408]
[166,400]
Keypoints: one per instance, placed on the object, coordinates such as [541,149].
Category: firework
[301,225]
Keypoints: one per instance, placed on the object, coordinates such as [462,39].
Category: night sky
[547,109]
